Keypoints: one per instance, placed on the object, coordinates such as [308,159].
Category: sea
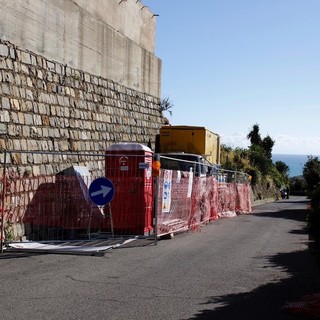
[295,162]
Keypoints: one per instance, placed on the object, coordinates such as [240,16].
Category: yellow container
[189,139]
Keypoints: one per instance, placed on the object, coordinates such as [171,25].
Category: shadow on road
[294,209]
[265,302]
[297,215]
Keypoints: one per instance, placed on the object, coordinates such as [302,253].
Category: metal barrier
[59,207]
[190,199]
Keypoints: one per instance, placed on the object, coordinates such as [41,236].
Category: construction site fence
[59,207]
[187,202]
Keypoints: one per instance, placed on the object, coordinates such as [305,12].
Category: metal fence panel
[188,200]
[174,201]
[59,206]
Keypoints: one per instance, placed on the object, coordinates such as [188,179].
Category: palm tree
[166,105]
[254,135]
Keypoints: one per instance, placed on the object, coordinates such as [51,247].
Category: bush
[311,174]
[297,186]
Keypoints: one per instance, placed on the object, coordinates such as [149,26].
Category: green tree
[255,139]
[311,174]
[267,145]
[260,150]
[256,161]
[297,185]
[282,168]
[254,135]
[259,158]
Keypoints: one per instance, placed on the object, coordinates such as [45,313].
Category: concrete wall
[129,17]
[104,37]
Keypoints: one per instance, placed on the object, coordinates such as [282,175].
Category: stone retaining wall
[48,106]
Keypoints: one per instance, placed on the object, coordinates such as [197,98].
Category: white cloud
[235,140]
[301,145]
[284,144]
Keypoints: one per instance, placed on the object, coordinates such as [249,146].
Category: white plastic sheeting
[63,248]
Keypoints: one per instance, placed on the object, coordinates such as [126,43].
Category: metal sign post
[101,192]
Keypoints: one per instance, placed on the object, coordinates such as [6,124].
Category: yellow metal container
[189,139]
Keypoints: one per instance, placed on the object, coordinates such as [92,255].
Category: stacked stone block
[48,107]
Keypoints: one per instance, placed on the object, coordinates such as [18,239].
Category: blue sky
[229,64]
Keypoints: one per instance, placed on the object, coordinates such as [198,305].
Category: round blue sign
[101,191]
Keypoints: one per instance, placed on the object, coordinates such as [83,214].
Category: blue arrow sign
[101,191]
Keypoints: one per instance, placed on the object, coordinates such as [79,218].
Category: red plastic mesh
[207,201]
[184,201]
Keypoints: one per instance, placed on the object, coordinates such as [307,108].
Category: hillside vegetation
[267,178]
[311,174]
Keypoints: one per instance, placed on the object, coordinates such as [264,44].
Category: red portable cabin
[129,167]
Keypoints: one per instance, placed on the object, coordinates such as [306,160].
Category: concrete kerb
[262,201]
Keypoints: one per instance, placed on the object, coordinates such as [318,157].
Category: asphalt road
[245,267]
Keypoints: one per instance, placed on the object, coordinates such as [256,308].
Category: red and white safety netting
[57,206]
[187,202]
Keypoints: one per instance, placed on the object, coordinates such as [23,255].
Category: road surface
[245,267]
